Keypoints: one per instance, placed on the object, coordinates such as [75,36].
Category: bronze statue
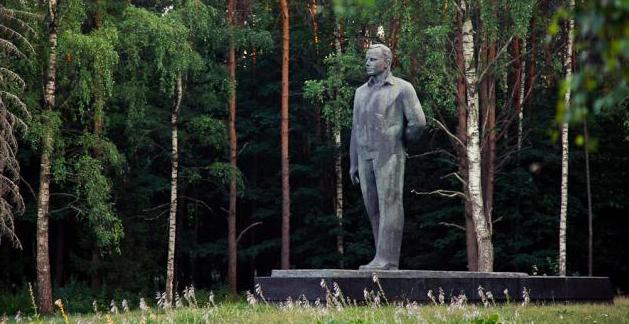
[387,116]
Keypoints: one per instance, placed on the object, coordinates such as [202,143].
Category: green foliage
[88,61]
[93,194]
[601,46]
[208,131]
[488,319]
[336,91]
[223,173]
[163,40]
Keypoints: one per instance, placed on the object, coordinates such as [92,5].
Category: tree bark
[44,287]
[521,84]
[285,250]
[475,192]
[174,157]
[232,256]
[530,78]
[312,11]
[470,233]
[563,212]
[490,156]
[338,162]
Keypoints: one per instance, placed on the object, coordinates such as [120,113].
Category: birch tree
[563,211]
[172,217]
[44,287]
[474,187]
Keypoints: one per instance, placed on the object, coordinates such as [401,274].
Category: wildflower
[113,308]
[258,290]
[441,296]
[490,296]
[483,297]
[339,300]
[251,299]
[59,304]
[190,296]
[211,299]
[457,302]
[288,305]
[526,298]
[95,306]
[33,303]
[161,300]
[125,306]
[143,306]
[178,302]
[431,296]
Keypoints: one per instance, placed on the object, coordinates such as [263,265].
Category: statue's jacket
[385,118]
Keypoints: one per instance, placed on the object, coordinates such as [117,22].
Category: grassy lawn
[241,312]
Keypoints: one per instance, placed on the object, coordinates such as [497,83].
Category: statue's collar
[388,80]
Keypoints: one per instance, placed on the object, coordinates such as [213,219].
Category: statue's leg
[370,193]
[390,181]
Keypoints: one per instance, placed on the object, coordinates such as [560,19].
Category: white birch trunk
[563,212]
[521,98]
[44,286]
[338,166]
[338,201]
[172,227]
[483,235]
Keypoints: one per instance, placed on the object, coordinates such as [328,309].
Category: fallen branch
[441,192]
[245,230]
[453,225]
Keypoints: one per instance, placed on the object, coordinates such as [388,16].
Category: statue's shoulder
[362,88]
[403,84]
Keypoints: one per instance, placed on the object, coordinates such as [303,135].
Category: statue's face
[375,62]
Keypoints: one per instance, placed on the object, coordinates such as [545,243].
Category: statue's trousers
[382,185]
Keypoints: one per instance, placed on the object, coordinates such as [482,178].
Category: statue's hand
[353,175]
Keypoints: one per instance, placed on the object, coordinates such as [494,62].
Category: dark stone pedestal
[413,285]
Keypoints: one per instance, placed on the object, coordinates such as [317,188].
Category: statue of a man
[387,115]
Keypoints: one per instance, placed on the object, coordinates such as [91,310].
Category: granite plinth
[413,285]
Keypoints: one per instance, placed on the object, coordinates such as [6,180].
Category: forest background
[130,74]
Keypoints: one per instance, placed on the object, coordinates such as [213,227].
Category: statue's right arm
[353,150]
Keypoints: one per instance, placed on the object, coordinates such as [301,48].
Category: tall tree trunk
[312,11]
[232,256]
[530,80]
[520,103]
[285,253]
[338,161]
[589,197]
[44,287]
[489,154]
[475,192]
[174,158]
[563,212]
[461,104]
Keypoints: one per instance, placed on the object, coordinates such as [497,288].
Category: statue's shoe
[378,265]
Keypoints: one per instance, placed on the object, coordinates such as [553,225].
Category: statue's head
[378,59]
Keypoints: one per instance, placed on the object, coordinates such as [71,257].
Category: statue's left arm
[413,113]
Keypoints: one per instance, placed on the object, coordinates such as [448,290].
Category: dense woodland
[152,145]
